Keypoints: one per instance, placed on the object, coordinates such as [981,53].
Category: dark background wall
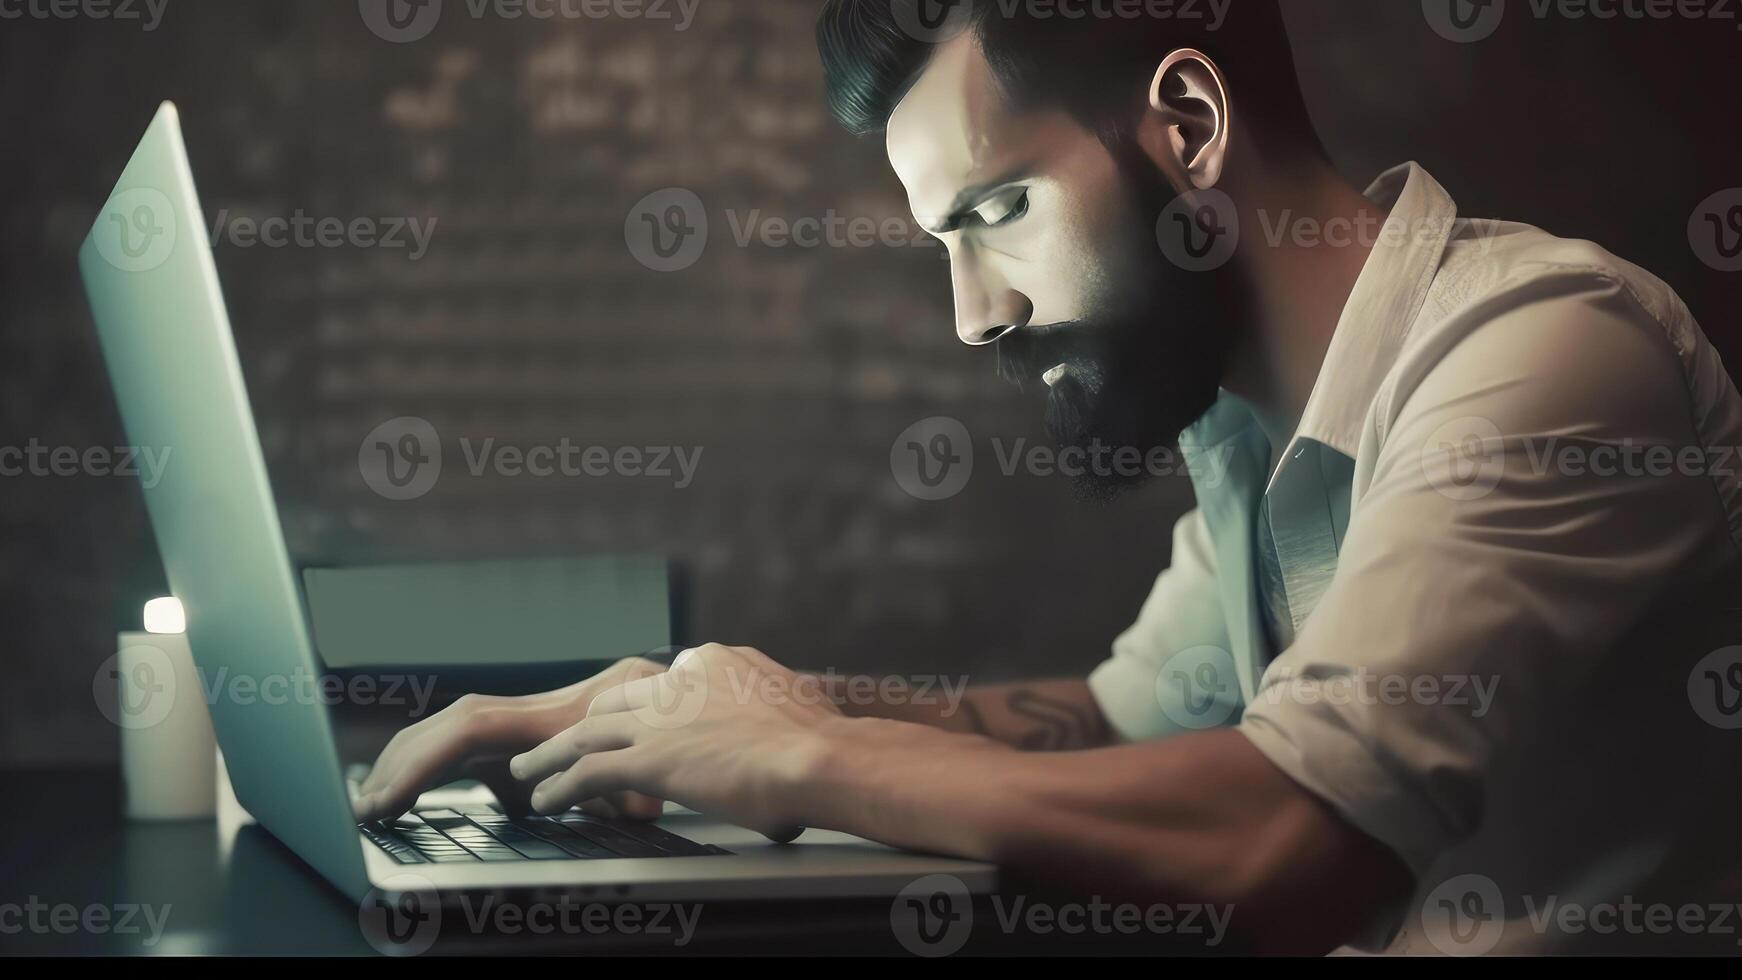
[528,142]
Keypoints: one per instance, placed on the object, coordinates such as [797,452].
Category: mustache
[1027,353]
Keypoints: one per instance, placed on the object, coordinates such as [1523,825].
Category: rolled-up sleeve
[1183,611]
[1484,558]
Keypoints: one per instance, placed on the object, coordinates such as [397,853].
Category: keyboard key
[538,850]
[609,837]
[448,857]
[666,840]
[497,852]
[555,833]
[399,850]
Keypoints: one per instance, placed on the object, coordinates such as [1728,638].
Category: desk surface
[229,887]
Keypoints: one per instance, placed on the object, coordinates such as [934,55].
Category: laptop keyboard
[446,835]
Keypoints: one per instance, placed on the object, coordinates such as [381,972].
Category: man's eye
[997,214]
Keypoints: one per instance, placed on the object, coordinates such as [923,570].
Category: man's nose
[986,307]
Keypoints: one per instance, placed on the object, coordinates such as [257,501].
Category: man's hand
[727,731]
[473,738]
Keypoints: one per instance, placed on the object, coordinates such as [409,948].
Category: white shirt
[1510,528]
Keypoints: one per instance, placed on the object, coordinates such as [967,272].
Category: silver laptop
[153,288]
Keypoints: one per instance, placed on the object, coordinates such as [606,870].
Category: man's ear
[1190,117]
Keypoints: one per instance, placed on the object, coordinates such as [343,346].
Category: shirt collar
[1387,297]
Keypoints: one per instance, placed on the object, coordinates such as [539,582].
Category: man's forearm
[1036,716]
[1200,819]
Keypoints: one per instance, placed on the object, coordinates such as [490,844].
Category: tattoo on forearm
[1062,724]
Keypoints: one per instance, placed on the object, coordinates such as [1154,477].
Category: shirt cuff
[1124,687]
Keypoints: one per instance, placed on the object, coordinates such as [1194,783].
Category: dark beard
[1140,370]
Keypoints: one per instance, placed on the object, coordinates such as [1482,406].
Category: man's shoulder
[1491,268]
[1510,301]
[1536,340]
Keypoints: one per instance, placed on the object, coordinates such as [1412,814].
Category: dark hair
[872,53]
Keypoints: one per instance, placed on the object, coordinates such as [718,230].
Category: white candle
[168,749]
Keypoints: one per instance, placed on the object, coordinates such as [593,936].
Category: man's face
[1053,256]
